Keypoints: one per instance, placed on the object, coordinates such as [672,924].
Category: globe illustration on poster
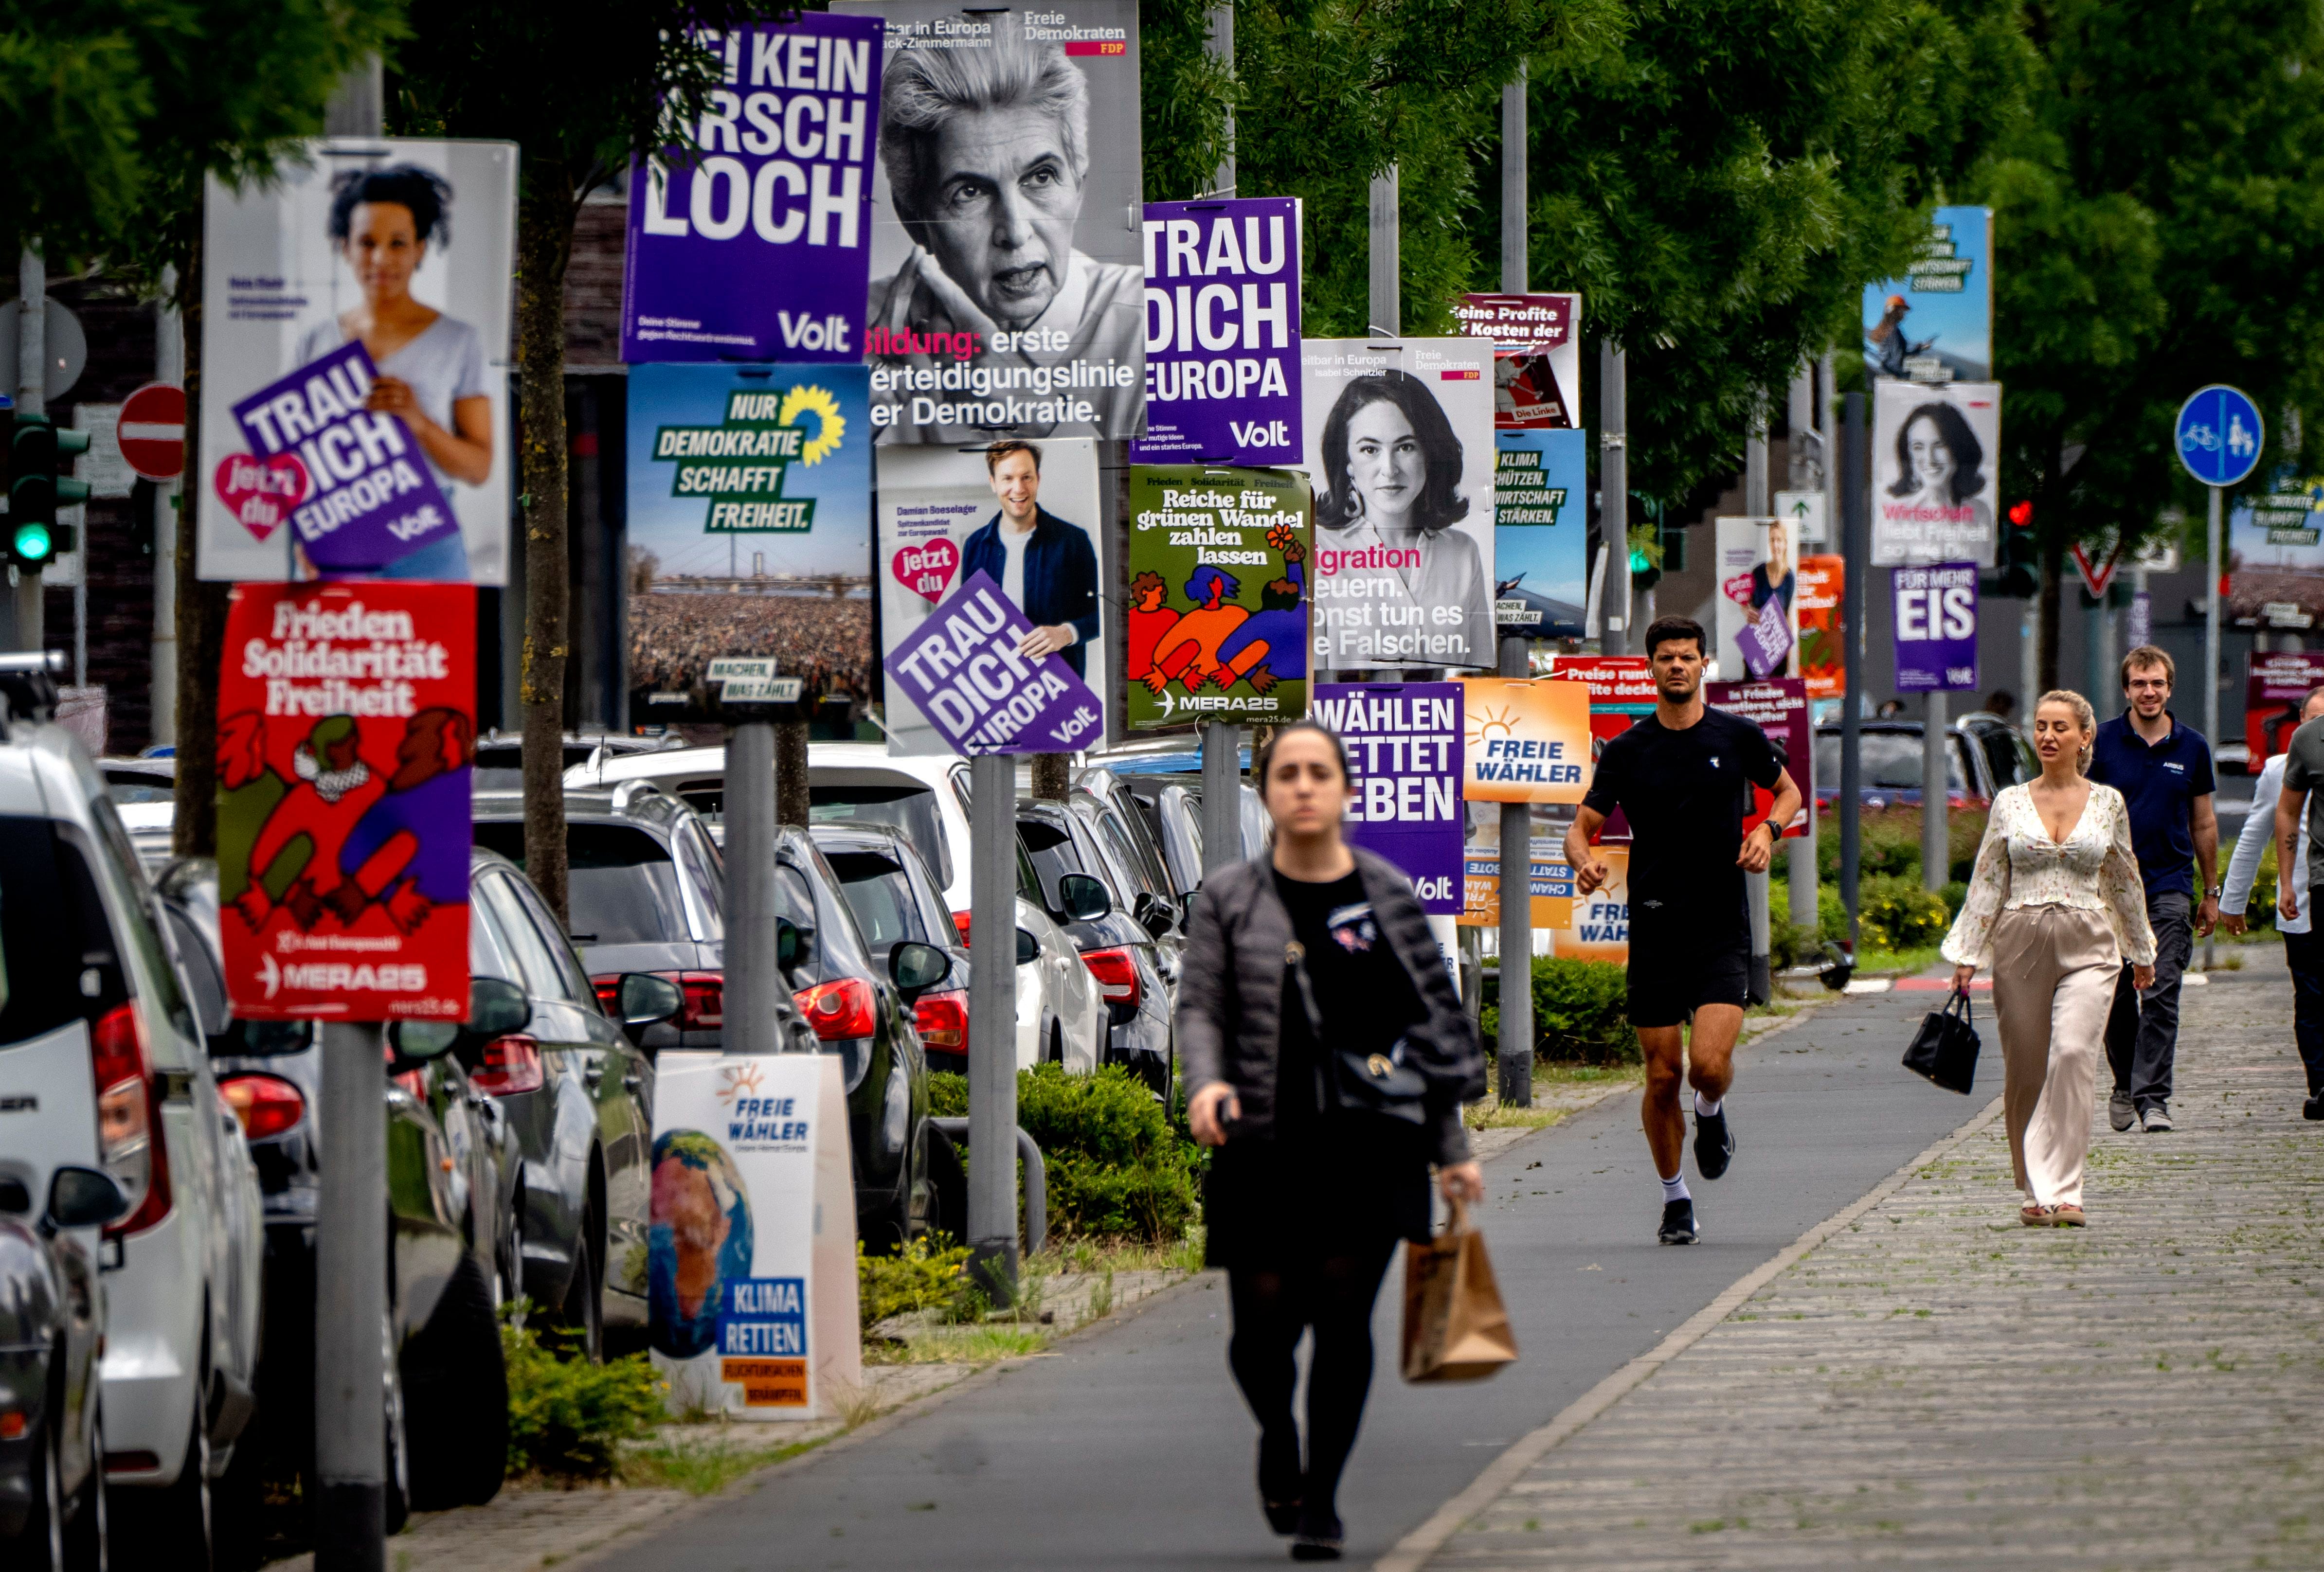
[698,1241]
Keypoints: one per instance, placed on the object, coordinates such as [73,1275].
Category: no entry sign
[154,431]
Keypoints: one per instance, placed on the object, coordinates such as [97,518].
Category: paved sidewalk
[1936,1386]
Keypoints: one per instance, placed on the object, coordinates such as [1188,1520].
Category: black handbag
[1372,1083]
[1945,1049]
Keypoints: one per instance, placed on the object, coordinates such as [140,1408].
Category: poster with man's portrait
[1025,514]
[1008,264]
[1400,452]
[1757,624]
[377,268]
[1936,467]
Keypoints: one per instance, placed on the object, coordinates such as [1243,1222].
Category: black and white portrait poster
[1936,471]
[1025,514]
[1007,265]
[1400,451]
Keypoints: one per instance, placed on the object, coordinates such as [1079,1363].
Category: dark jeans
[2305,954]
[1271,1310]
[2143,1032]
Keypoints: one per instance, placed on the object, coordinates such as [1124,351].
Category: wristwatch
[2214,892]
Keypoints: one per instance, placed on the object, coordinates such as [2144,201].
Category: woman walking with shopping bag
[1327,1056]
[2055,907]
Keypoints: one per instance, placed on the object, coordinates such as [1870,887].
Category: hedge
[1116,1168]
[1580,1011]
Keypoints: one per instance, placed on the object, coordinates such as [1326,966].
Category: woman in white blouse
[2055,907]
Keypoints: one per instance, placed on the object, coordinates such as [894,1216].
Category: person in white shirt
[2303,949]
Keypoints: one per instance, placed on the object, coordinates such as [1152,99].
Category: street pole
[1800,415]
[790,775]
[169,366]
[1853,551]
[1221,740]
[24,599]
[1756,885]
[351,1320]
[1514,1050]
[753,977]
[1387,241]
[2216,563]
[992,1024]
[1613,500]
[1935,845]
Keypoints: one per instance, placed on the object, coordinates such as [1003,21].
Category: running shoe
[2158,1119]
[1714,1144]
[1678,1223]
[1321,1538]
[2120,1111]
[2313,1108]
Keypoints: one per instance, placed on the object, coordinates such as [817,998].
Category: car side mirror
[83,1198]
[1082,898]
[915,968]
[1153,913]
[789,943]
[417,1041]
[497,1009]
[1029,949]
[646,998]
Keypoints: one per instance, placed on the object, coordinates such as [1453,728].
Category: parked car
[500,755]
[103,1066]
[645,891]
[52,1503]
[453,1261]
[1129,835]
[862,1011]
[1890,756]
[1120,951]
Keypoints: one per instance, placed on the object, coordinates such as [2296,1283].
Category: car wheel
[456,1398]
[395,1503]
[237,1501]
[181,1524]
[583,1311]
[87,1535]
[1056,1045]
[508,1302]
[42,1535]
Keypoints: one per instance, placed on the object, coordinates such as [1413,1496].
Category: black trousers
[2143,1032]
[1273,1306]
[2304,952]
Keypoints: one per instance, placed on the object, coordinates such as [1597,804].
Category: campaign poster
[757,245]
[1537,355]
[1400,452]
[974,671]
[2275,684]
[1936,463]
[751,1293]
[1217,625]
[404,247]
[1404,747]
[1528,740]
[1935,324]
[1780,709]
[1008,294]
[1823,656]
[748,490]
[1935,627]
[2275,558]
[1541,533]
[1755,629]
[1223,333]
[1026,515]
[347,738]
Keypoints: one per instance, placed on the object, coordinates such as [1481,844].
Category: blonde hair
[2084,716]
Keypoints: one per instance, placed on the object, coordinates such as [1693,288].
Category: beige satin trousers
[2053,979]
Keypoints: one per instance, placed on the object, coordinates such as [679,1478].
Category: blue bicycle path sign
[2219,435]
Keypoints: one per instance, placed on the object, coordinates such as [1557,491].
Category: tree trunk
[2054,573]
[545,219]
[202,609]
[1053,776]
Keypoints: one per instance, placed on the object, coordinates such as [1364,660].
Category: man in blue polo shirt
[2163,771]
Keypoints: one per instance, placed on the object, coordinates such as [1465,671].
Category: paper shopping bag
[1456,1328]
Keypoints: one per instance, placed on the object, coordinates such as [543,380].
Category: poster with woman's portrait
[1025,514]
[1400,452]
[1757,630]
[1008,262]
[384,264]
[1936,466]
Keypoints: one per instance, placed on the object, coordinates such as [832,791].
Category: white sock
[1675,1189]
[1710,1109]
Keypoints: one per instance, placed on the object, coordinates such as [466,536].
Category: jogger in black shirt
[1683,776]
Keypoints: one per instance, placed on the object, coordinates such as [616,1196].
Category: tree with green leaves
[582,87]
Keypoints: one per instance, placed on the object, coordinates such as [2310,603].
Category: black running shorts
[1669,979]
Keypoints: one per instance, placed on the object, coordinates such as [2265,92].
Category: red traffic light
[2021,514]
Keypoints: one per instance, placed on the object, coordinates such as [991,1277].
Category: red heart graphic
[926,569]
[260,491]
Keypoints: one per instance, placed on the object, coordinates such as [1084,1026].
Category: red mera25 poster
[346,738]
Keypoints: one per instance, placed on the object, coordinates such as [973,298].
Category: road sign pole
[25,600]
[753,974]
[1854,508]
[1514,1052]
[2212,530]
[992,1024]
[352,1418]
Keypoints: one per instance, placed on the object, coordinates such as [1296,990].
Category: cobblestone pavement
[1935,1385]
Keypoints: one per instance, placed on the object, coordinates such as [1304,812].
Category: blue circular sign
[2219,435]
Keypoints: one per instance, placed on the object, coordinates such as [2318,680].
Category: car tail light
[838,1009]
[960,923]
[943,1021]
[129,1133]
[264,1104]
[1116,971]
[704,1009]
[510,1064]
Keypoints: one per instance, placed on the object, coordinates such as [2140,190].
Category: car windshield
[911,809]
[1892,761]
[880,893]
[500,765]
[621,885]
[1051,847]
[126,787]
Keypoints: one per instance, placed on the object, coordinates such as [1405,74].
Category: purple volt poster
[353,483]
[759,248]
[1936,627]
[1221,333]
[966,668]
[1405,762]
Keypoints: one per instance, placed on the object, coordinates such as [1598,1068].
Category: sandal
[2037,1217]
[2069,1217]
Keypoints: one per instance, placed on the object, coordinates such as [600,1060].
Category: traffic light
[2019,574]
[38,455]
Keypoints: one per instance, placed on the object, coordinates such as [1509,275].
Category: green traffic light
[31,544]
[1638,563]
